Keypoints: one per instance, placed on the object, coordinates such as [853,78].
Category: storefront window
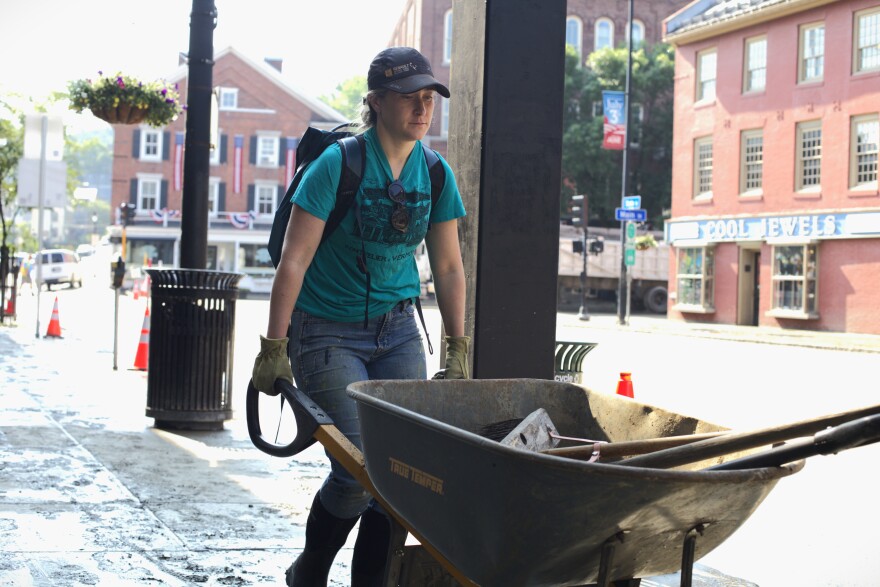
[254,257]
[696,279]
[150,253]
[795,269]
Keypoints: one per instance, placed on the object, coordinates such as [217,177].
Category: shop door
[749,302]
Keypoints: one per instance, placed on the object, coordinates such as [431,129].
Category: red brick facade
[736,224]
[265,106]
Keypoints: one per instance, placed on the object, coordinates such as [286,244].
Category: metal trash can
[192,325]
[568,360]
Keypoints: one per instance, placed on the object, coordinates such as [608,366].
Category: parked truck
[650,274]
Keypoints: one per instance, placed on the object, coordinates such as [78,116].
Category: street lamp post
[94,228]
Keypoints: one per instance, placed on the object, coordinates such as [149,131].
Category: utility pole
[622,297]
[196,163]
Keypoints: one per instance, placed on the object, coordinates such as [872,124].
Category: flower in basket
[120,99]
[644,242]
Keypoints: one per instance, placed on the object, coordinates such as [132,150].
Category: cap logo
[400,69]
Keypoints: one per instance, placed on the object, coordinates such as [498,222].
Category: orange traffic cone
[54,329]
[625,385]
[143,351]
[136,289]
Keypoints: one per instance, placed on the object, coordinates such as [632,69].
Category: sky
[47,43]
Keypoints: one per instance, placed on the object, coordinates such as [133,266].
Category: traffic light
[127,213]
[576,206]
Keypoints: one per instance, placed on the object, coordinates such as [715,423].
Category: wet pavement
[92,494]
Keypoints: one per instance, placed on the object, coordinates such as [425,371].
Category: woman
[318,300]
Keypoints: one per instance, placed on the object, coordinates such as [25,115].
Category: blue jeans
[327,356]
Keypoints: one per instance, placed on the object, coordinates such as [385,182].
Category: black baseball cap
[403,70]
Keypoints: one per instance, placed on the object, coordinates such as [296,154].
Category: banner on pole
[614,109]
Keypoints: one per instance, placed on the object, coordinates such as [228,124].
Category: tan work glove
[271,364]
[456,358]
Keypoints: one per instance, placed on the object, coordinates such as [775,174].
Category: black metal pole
[197,149]
[621,286]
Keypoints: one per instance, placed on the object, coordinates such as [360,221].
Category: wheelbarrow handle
[309,416]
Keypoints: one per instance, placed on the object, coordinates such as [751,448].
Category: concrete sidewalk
[92,494]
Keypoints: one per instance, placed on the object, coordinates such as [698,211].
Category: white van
[59,266]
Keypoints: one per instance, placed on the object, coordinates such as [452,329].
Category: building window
[706,65]
[755,74]
[703,167]
[151,145]
[574,35]
[149,192]
[638,31]
[809,155]
[751,177]
[696,279]
[604,34]
[264,200]
[254,257]
[865,136]
[228,98]
[795,280]
[267,151]
[444,118]
[866,37]
[447,37]
[213,196]
[811,64]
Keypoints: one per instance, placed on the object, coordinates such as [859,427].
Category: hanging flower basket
[122,99]
[644,242]
[122,114]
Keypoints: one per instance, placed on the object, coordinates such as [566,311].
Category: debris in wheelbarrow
[476,505]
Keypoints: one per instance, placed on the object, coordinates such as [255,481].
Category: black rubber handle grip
[308,416]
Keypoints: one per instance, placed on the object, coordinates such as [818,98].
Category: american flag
[178,161]
[292,142]
[237,161]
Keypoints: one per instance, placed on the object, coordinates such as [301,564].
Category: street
[816,528]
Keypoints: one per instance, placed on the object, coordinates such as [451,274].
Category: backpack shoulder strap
[437,173]
[353,160]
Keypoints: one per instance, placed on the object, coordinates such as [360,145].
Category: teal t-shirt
[334,288]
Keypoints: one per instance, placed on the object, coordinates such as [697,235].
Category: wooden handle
[733,442]
[627,448]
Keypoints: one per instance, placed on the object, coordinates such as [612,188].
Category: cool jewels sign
[805,226]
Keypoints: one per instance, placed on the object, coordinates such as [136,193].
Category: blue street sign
[639,215]
[632,202]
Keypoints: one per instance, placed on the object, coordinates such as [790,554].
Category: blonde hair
[367,114]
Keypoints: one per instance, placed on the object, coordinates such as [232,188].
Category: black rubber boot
[371,550]
[325,535]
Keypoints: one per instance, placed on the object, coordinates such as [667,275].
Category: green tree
[11,149]
[348,97]
[592,170]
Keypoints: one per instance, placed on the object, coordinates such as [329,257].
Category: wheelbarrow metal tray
[509,517]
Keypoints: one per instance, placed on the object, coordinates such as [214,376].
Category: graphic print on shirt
[376,209]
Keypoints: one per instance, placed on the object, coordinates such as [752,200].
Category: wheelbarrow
[495,515]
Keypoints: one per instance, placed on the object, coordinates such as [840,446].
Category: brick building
[590,25]
[260,119]
[775,206]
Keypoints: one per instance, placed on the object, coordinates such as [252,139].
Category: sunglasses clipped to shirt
[400,213]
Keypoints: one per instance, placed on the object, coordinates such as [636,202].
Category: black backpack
[311,145]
